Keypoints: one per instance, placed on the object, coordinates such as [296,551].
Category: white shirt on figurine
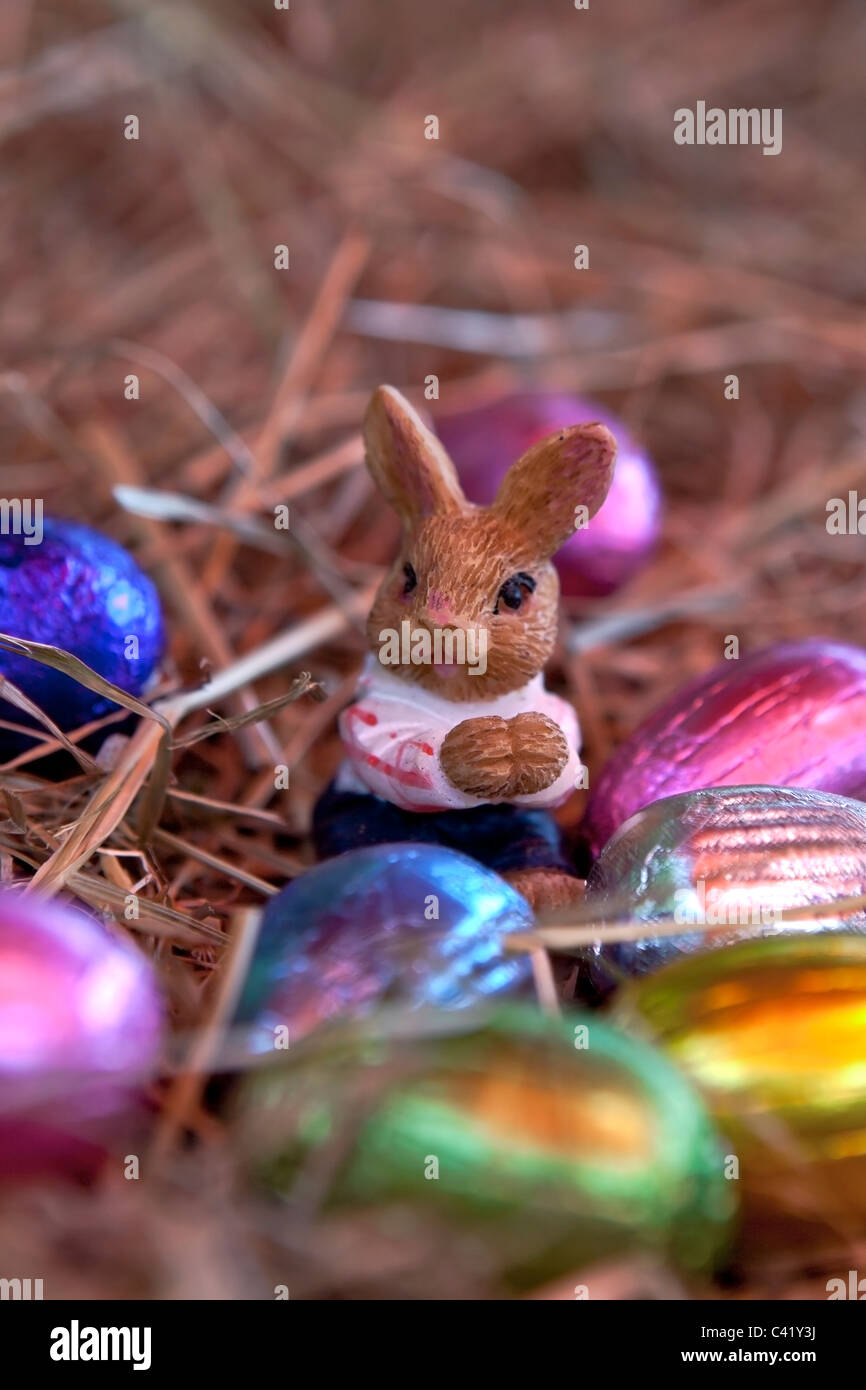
[393,732]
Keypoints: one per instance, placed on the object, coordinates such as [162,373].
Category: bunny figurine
[452,737]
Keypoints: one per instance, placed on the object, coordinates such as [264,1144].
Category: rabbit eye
[411,578]
[514,591]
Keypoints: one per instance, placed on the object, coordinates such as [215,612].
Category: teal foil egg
[724,863]
[412,924]
[551,1144]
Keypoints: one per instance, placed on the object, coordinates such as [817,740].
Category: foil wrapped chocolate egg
[80,1025]
[790,715]
[773,1033]
[552,1143]
[412,924]
[78,590]
[724,863]
[484,441]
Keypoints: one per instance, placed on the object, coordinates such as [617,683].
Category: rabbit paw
[477,758]
[539,750]
[497,759]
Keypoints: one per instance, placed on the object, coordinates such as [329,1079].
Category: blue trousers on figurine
[503,838]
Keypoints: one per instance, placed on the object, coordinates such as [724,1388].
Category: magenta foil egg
[80,1025]
[789,715]
[597,559]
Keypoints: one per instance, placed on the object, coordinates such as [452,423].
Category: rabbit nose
[439,611]
[455,626]
[438,606]
[441,615]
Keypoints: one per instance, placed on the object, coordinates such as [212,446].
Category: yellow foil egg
[774,1034]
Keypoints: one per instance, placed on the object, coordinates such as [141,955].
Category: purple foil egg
[409,924]
[599,558]
[789,715]
[80,1026]
[78,590]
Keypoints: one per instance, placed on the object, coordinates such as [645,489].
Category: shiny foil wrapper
[81,591]
[556,1143]
[790,715]
[80,1029]
[483,443]
[413,924]
[725,863]
[773,1033]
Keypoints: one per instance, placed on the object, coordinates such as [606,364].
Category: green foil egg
[773,1033]
[555,1143]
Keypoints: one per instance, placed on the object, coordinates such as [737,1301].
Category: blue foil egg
[411,924]
[78,590]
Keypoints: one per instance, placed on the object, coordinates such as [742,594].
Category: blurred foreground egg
[78,590]
[485,441]
[80,1024]
[411,924]
[774,1034]
[790,715]
[555,1143]
[725,862]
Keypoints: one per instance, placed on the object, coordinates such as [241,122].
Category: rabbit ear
[407,461]
[541,492]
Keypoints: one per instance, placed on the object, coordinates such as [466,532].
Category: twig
[189,1083]
[113,798]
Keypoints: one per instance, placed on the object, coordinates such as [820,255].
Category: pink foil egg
[600,557]
[789,715]
[80,1024]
